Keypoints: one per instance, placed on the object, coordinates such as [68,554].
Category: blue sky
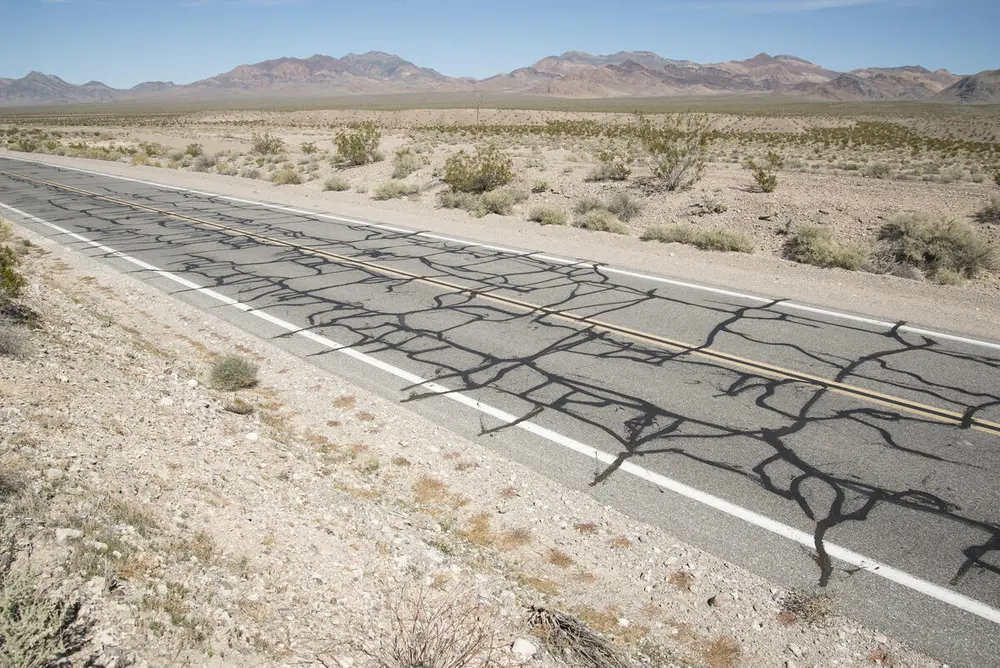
[123,42]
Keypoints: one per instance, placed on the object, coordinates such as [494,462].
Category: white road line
[780,305]
[855,559]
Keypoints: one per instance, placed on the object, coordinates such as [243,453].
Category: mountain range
[574,74]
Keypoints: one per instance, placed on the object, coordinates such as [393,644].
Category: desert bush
[500,202]
[540,187]
[203,163]
[394,189]
[358,145]
[879,170]
[250,173]
[991,212]
[614,164]
[266,144]
[487,170]
[677,152]
[193,150]
[807,608]
[939,248]
[226,169]
[716,240]
[13,339]
[308,147]
[233,372]
[996,176]
[12,283]
[588,204]
[337,183]
[815,245]
[625,206]
[406,161]
[458,200]
[710,205]
[548,214]
[286,176]
[601,220]
[457,632]
[765,174]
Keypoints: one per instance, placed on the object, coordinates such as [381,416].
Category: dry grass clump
[626,207]
[990,214]
[407,160]
[12,283]
[487,170]
[394,189]
[337,184]
[945,250]
[548,214]
[806,607]
[722,653]
[601,220]
[614,164]
[234,372]
[455,632]
[559,558]
[500,202]
[815,245]
[878,170]
[715,240]
[286,176]
[568,636]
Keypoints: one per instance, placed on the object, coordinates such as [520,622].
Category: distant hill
[574,74]
[979,88]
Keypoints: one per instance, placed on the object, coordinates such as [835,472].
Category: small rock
[192,383]
[881,639]
[795,650]
[55,474]
[522,647]
[716,602]
[252,436]
[166,401]
[63,535]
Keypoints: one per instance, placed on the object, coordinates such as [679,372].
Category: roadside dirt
[197,536]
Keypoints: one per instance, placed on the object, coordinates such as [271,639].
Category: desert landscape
[190,495]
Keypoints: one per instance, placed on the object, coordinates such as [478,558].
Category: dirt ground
[282,525]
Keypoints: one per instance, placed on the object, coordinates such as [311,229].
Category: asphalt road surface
[811,447]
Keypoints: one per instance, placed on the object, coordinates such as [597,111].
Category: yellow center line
[735,361]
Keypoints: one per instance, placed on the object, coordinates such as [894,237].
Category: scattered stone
[192,383]
[166,401]
[252,436]
[55,474]
[522,647]
[63,535]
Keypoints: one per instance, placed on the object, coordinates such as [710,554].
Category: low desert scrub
[559,558]
[455,632]
[765,174]
[722,653]
[601,220]
[715,240]
[807,608]
[337,184]
[996,176]
[614,164]
[548,214]
[239,406]
[588,204]
[308,147]
[991,212]
[13,339]
[286,176]
[879,170]
[569,637]
[815,245]
[203,163]
[626,207]
[266,144]
[487,170]
[945,250]
[394,189]
[359,144]
[710,206]
[406,161]
[38,628]
[12,282]
[500,202]
[540,187]
[193,150]
[677,154]
[234,372]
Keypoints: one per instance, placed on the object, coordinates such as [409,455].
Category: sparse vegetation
[614,164]
[942,249]
[308,147]
[234,372]
[991,212]
[337,184]
[677,153]
[548,214]
[487,170]
[408,160]
[879,170]
[359,144]
[715,240]
[806,607]
[12,282]
[812,244]
[286,176]
[394,189]
[626,207]
[266,144]
[765,174]
[601,220]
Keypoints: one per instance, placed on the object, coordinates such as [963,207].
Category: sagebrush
[488,169]
[234,372]
[359,144]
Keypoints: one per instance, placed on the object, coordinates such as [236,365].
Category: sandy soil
[197,536]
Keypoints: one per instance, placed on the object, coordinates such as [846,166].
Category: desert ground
[288,522]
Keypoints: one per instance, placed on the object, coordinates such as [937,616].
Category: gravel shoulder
[194,535]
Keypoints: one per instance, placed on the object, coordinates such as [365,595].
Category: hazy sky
[123,42]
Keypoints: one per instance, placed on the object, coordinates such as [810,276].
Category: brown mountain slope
[982,88]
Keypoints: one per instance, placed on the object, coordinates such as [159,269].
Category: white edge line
[792,306]
[900,577]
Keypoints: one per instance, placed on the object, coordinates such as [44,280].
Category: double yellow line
[734,361]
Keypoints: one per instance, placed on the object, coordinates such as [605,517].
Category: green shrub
[938,246]
[286,176]
[337,183]
[394,189]
[37,629]
[234,372]
[879,170]
[614,164]
[548,214]
[677,152]
[487,170]
[11,281]
[407,161]
[358,145]
[193,150]
[765,174]
[714,240]
[266,144]
[991,212]
[815,245]
[308,147]
[600,220]
[540,187]
[625,206]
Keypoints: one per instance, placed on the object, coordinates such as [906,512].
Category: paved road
[814,449]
